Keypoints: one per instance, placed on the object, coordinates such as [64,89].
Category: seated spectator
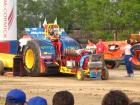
[15,97]
[115,97]
[63,98]
[37,101]
[134,103]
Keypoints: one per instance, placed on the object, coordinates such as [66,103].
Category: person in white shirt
[128,58]
[91,46]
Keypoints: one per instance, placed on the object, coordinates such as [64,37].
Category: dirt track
[88,92]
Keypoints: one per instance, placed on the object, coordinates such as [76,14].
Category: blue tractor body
[40,55]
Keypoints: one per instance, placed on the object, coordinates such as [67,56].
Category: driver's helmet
[55,31]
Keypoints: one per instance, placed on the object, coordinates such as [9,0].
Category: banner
[8,20]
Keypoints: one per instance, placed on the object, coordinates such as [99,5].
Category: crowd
[18,97]
[95,48]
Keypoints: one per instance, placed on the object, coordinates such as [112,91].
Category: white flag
[55,21]
[45,23]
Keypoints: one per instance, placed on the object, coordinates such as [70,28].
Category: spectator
[91,46]
[135,103]
[100,47]
[15,97]
[115,97]
[127,59]
[63,98]
[37,101]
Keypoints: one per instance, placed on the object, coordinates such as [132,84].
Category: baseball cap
[16,96]
[37,100]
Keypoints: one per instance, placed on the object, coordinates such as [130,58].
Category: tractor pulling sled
[40,56]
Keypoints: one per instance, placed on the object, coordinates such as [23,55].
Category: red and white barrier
[8,20]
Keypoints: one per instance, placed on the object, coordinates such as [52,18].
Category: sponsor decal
[11,16]
[34,31]
[8,22]
[5,27]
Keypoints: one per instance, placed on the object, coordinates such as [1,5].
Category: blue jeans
[129,66]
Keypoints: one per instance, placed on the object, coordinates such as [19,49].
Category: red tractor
[40,55]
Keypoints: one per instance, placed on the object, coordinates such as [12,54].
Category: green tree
[115,17]
[103,17]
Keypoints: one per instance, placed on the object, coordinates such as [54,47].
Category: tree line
[98,18]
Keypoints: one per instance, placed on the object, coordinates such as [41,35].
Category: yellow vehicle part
[29,59]
[7,59]
[66,70]
[80,75]
[86,72]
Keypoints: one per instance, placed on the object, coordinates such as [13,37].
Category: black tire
[110,64]
[35,69]
[1,68]
[117,64]
[105,74]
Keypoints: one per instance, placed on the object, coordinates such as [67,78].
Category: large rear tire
[1,68]
[31,58]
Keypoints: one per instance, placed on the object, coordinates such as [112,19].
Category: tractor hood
[46,47]
[69,43]
[36,33]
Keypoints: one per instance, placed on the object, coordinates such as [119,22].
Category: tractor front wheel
[80,75]
[105,74]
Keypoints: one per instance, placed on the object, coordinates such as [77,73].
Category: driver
[55,39]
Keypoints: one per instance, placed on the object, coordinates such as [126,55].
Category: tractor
[40,55]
